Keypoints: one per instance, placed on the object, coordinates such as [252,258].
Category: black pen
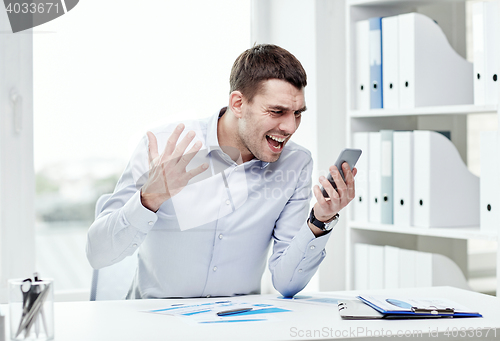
[233,312]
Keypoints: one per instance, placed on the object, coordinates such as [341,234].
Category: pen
[233,312]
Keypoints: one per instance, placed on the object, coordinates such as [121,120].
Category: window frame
[17,176]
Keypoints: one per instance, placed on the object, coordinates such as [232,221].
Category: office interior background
[106,72]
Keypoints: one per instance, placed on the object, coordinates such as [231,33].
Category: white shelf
[397,3]
[450,242]
[452,232]
[440,110]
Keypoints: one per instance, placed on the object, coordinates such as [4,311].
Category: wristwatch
[328,226]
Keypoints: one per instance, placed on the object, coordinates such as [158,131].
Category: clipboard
[417,307]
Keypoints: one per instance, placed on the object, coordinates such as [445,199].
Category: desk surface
[125,320]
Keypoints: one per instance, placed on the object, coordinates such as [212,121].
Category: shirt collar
[212,142]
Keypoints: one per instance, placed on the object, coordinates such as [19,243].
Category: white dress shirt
[212,238]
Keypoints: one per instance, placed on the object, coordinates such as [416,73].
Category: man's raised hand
[167,172]
[326,208]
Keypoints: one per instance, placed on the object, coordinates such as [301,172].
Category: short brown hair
[263,62]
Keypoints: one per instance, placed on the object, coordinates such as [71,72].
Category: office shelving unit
[451,242]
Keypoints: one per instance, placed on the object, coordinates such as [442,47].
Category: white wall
[290,24]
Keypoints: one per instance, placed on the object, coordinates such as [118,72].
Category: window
[103,74]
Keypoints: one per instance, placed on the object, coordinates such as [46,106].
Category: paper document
[207,312]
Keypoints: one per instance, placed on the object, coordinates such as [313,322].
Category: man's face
[268,122]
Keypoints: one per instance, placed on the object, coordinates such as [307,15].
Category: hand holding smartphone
[348,155]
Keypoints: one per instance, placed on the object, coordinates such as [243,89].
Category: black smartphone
[348,155]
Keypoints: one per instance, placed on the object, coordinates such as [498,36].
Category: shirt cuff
[139,216]
[307,242]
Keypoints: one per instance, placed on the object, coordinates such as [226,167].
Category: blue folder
[376,98]
[408,311]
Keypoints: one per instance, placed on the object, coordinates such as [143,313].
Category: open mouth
[275,143]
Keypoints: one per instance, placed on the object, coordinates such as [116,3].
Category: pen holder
[31,309]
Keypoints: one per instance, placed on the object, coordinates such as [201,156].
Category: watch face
[329,226]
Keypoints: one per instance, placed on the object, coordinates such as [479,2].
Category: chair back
[112,282]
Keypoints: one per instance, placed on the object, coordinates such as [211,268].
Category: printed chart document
[207,312]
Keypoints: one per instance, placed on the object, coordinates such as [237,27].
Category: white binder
[403,178]
[390,62]
[478,49]
[362,76]
[361,266]
[361,201]
[445,193]
[491,51]
[386,172]
[374,177]
[445,272]
[489,182]
[407,260]
[376,267]
[423,269]
[431,72]
[391,267]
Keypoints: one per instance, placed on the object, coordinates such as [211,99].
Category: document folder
[360,208]
[430,71]
[386,177]
[417,308]
[445,192]
[374,177]
[489,182]
[478,44]
[362,56]
[376,96]
[390,62]
[403,178]
[491,51]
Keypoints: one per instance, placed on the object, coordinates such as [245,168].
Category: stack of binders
[405,61]
[388,267]
[485,37]
[414,178]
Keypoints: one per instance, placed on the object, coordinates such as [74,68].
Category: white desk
[123,320]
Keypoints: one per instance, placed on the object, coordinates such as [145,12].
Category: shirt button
[134,245]
[300,270]
[312,247]
[220,236]
[150,223]
[227,202]
[215,268]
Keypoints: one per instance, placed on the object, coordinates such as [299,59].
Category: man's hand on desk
[167,172]
[325,209]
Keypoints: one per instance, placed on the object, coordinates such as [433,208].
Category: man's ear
[236,103]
